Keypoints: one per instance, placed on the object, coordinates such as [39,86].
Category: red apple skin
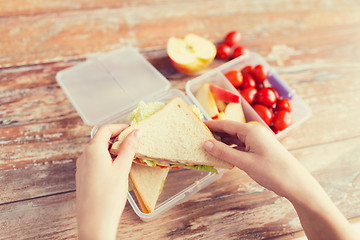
[224,95]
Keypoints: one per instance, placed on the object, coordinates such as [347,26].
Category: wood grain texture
[43,218]
[62,139]
[71,34]
[37,180]
[313,45]
[34,113]
[37,119]
[234,207]
[33,7]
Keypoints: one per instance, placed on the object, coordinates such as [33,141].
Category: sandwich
[147,183]
[173,136]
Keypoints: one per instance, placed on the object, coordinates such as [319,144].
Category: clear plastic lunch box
[300,112]
[106,88]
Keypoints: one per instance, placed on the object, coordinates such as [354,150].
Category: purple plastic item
[284,90]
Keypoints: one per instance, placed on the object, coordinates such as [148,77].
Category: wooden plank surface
[30,39]
[250,212]
[313,45]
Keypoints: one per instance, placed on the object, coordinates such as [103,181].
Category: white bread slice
[175,134]
[147,182]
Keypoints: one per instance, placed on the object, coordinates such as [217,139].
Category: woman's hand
[266,161]
[259,154]
[102,183]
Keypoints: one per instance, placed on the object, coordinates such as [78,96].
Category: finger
[127,150]
[232,140]
[108,131]
[222,151]
[222,135]
[232,128]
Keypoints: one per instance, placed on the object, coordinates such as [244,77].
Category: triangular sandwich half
[147,183]
[174,136]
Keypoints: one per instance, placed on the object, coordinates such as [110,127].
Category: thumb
[224,152]
[127,150]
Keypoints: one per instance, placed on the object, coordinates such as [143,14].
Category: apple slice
[190,54]
[206,99]
[255,123]
[221,116]
[224,95]
[234,112]
[221,105]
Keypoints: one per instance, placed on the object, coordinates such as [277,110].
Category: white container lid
[106,85]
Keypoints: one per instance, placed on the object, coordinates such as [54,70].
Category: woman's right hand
[267,162]
[259,154]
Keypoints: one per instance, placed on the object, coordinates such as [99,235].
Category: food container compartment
[300,112]
[218,78]
[107,88]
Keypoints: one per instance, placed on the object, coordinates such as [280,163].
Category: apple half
[190,54]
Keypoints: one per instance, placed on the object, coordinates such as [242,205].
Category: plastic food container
[107,88]
[300,112]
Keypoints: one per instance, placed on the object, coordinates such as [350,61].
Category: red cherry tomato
[235,78]
[273,109]
[274,129]
[259,73]
[266,97]
[282,120]
[284,104]
[246,70]
[260,86]
[238,51]
[232,38]
[249,94]
[223,51]
[276,92]
[248,81]
[264,112]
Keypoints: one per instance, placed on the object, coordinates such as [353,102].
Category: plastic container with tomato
[300,111]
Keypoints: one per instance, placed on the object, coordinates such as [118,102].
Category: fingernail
[138,133]
[208,146]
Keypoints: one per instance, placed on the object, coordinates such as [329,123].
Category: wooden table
[313,45]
